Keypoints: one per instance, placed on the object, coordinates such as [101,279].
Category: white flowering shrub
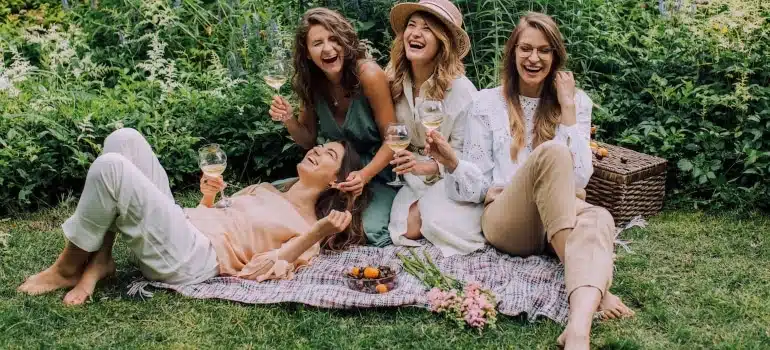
[182,73]
[13,73]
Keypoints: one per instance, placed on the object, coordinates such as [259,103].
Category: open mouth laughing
[330,60]
[532,69]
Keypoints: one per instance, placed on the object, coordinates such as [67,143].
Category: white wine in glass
[276,71]
[213,162]
[214,170]
[275,81]
[432,114]
[398,140]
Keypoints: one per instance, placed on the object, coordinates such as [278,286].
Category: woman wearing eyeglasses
[526,156]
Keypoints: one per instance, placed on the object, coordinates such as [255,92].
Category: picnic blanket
[534,286]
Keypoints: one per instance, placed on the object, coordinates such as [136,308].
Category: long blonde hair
[447,69]
[548,112]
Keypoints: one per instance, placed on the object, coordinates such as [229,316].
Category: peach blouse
[248,235]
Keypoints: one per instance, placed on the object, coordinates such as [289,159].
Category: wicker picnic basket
[627,183]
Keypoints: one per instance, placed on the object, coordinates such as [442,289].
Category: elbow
[306,144]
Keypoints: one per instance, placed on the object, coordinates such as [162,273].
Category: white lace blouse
[486,158]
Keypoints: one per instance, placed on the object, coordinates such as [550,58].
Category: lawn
[696,281]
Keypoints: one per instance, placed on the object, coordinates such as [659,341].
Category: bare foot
[572,339]
[583,302]
[612,307]
[47,281]
[98,269]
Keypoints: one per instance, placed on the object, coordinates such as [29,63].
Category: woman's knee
[603,217]
[106,165]
[413,223]
[599,224]
[553,149]
[119,138]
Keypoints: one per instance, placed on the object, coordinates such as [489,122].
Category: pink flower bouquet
[464,303]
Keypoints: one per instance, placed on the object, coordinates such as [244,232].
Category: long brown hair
[448,67]
[548,111]
[308,78]
[333,199]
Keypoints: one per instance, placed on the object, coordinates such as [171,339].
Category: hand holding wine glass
[213,162]
[210,186]
[397,138]
[439,149]
[276,72]
[280,109]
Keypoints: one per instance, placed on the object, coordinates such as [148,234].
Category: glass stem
[223,198]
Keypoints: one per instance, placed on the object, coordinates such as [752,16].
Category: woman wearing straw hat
[429,87]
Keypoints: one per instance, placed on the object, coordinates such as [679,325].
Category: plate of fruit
[371,279]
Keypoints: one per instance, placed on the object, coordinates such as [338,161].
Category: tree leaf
[684,165]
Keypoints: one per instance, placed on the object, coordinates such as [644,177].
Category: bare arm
[279,262]
[303,129]
[377,91]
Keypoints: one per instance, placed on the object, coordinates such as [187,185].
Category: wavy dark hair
[308,78]
[333,199]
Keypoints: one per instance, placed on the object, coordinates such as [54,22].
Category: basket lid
[625,166]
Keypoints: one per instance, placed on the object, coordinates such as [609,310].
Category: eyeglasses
[525,51]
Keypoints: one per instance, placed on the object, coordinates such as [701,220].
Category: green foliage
[690,86]
[16,7]
[183,76]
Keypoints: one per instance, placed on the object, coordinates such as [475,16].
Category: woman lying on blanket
[526,155]
[426,66]
[265,234]
[343,96]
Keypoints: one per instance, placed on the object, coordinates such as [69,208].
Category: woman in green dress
[343,96]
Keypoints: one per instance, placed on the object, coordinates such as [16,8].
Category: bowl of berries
[371,279]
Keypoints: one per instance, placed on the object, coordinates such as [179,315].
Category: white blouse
[486,158]
[460,231]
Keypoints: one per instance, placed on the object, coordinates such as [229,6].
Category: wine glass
[431,114]
[213,162]
[275,73]
[397,138]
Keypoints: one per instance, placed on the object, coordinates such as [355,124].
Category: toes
[75,297]
[627,312]
[560,342]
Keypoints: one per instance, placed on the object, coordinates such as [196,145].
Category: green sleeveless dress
[360,129]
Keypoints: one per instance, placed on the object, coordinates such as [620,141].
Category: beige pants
[539,202]
[127,191]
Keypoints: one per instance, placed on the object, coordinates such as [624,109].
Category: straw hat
[444,10]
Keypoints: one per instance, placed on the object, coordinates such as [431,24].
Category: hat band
[439,8]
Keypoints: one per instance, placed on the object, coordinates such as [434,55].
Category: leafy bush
[180,73]
[688,83]
[690,86]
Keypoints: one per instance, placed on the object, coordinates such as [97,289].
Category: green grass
[695,281]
